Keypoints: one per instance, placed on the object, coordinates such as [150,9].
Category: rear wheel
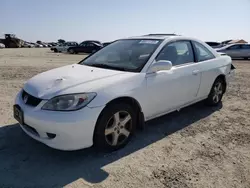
[55,50]
[115,127]
[71,51]
[216,93]
[246,58]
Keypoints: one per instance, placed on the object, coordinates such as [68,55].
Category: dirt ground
[196,147]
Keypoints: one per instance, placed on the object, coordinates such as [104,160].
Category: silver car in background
[236,50]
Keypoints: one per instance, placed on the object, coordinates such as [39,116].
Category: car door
[173,88]
[81,47]
[234,51]
[207,64]
[245,48]
[91,47]
[65,48]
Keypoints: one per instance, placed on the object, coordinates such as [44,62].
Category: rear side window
[247,46]
[234,47]
[202,53]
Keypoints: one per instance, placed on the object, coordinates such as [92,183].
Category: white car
[64,47]
[105,97]
[28,45]
[38,45]
[2,45]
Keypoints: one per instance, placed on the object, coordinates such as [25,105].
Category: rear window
[202,53]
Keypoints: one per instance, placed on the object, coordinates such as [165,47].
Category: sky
[107,20]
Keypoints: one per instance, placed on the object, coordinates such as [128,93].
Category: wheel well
[135,105]
[223,78]
[128,100]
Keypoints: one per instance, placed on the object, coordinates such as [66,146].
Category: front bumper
[60,130]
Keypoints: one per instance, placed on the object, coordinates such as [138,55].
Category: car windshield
[125,55]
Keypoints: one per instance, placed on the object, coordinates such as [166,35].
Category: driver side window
[178,53]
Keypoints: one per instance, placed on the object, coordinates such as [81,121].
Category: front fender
[135,89]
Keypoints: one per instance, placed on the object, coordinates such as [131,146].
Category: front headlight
[69,102]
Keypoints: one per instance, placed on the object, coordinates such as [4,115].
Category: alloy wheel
[118,128]
[218,91]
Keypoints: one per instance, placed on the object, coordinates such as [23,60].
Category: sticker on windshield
[148,41]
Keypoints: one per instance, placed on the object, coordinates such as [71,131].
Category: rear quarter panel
[210,70]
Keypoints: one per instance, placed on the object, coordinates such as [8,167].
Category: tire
[245,58]
[55,50]
[109,135]
[71,51]
[216,93]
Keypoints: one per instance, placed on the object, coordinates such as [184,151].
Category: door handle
[195,72]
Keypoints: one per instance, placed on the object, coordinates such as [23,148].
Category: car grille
[29,99]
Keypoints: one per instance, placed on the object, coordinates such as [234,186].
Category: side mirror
[160,65]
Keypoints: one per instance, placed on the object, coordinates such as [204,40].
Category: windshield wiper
[100,65]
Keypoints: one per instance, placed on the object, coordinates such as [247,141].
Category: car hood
[61,80]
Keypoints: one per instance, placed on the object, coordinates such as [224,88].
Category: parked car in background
[226,42]
[105,97]
[38,45]
[51,45]
[2,45]
[236,50]
[89,46]
[64,47]
[45,45]
[215,44]
[55,45]
[28,45]
[106,43]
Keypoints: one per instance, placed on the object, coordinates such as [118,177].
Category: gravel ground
[196,147]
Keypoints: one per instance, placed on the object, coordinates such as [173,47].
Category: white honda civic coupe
[101,100]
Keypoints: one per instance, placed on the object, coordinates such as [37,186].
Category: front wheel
[216,93]
[115,127]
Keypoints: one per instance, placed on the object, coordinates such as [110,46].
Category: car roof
[96,41]
[153,36]
[163,37]
[235,44]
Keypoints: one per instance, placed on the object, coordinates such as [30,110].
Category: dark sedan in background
[215,44]
[89,46]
